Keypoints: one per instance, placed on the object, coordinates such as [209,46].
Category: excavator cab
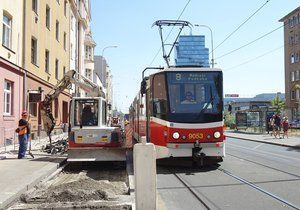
[90,139]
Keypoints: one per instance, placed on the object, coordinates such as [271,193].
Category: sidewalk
[18,175]
[292,141]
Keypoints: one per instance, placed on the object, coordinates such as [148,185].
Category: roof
[292,12]
[89,40]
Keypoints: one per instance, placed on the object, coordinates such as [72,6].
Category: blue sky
[128,24]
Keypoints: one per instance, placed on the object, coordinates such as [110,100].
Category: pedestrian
[272,123]
[285,127]
[23,135]
[277,125]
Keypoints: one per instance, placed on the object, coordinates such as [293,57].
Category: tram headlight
[176,135]
[217,134]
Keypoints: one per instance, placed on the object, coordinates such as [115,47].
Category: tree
[229,120]
[278,104]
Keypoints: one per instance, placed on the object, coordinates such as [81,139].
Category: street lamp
[104,72]
[212,43]
[111,46]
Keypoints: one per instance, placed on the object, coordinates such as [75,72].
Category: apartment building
[46,55]
[80,18]
[12,76]
[89,64]
[292,62]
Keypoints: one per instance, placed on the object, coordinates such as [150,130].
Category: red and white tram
[180,110]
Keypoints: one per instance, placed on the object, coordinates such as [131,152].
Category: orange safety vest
[22,131]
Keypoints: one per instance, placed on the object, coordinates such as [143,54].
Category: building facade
[103,77]
[89,64]
[40,41]
[292,62]
[12,75]
[45,56]
[99,72]
[190,51]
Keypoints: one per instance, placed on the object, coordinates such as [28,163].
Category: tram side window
[159,97]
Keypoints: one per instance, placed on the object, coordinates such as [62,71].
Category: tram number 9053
[196,136]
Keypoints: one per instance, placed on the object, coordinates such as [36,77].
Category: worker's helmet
[24,113]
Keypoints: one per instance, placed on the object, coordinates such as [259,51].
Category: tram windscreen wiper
[212,98]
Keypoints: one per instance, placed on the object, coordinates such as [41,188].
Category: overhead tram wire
[253,59]
[240,26]
[245,45]
[170,31]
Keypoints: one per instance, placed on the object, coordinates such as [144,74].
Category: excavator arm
[71,77]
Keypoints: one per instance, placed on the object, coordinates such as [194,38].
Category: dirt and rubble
[85,189]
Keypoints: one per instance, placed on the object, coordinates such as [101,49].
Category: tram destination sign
[193,77]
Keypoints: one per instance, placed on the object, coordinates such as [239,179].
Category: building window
[48,17]
[65,8]
[297,75]
[65,41]
[296,55]
[33,99]
[294,20]
[64,70]
[35,6]
[296,39]
[297,94]
[88,74]
[8,97]
[88,53]
[6,33]
[292,58]
[57,30]
[72,22]
[56,69]
[71,51]
[47,61]
[292,76]
[56,107]
[293,95]
[291,40]
[34,50]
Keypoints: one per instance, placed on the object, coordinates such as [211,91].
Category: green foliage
[278,104]
[229,120]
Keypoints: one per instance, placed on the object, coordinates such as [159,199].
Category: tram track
[254,186]
[193,192]
[209,204]
[251,161]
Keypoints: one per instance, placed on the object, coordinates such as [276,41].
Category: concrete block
[144,160]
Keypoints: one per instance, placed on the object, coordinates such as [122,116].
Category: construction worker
[23,134]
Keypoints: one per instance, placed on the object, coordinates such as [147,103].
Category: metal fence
[8,138]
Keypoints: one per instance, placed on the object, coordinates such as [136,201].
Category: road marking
[274,154]
[258,146]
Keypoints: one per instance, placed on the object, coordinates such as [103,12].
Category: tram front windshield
[195,97]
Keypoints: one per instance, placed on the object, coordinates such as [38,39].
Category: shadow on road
[294,148]
[184,165]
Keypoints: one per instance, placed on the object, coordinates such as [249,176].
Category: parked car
[295,123]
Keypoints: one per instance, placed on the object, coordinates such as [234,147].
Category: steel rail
[192,191]
[251,161]
[259,189]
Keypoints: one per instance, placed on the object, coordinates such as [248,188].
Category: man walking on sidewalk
[23,133]
[277,126]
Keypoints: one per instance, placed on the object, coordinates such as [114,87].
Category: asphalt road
[252,176]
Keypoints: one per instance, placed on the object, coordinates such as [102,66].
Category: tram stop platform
[291,141]
[18,175]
